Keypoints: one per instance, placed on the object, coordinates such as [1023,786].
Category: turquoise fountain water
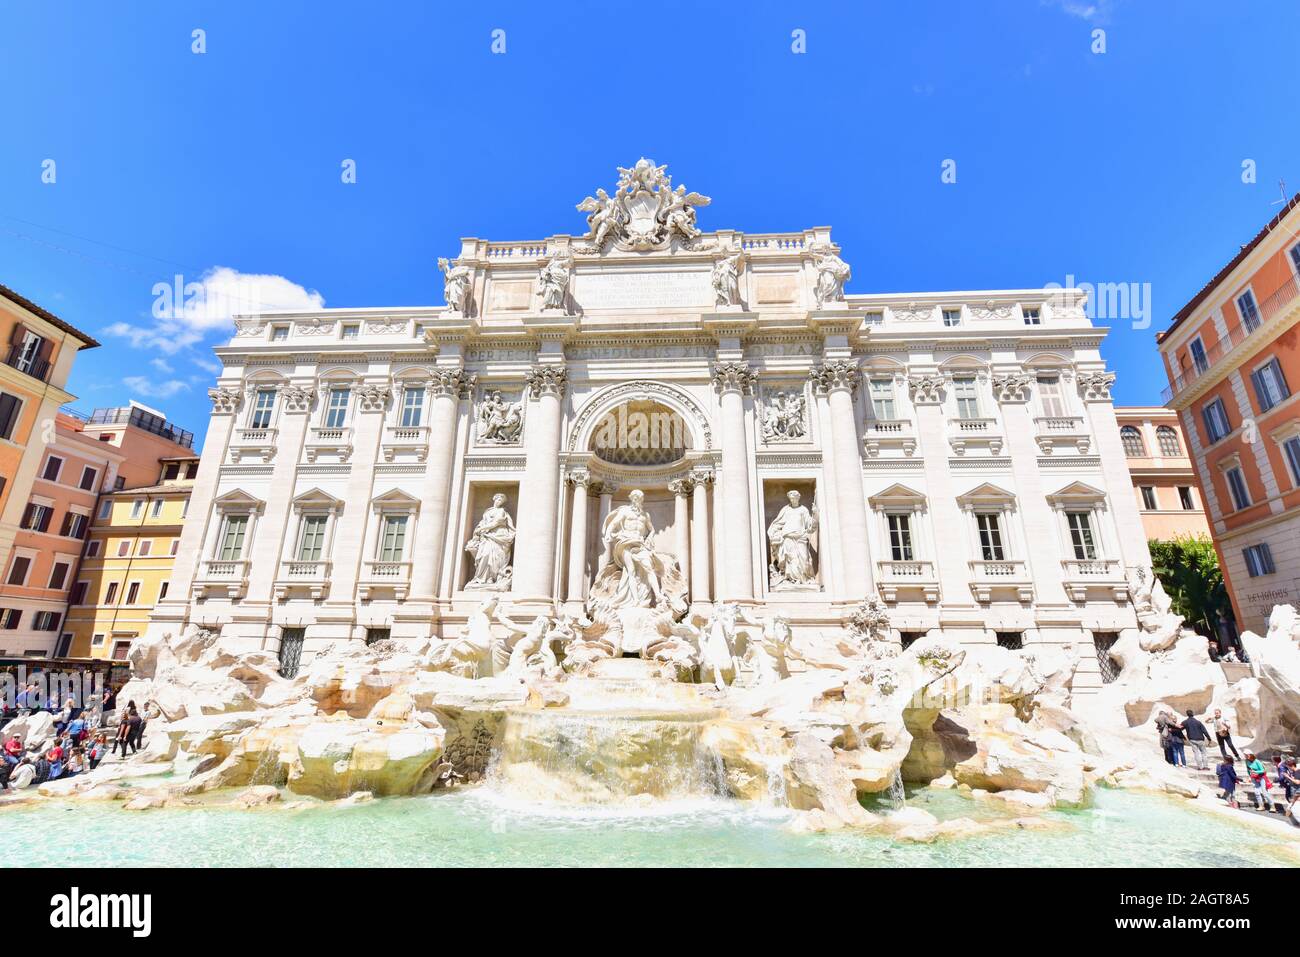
[480,827]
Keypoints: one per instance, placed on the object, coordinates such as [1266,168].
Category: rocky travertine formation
[855,716]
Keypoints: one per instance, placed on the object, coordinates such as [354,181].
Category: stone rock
[1283,624]
[337,757]
[148,654]
[1275,659]
[814,781]
[753,755]
[257,796]
[1010,755]
[214,734]
[356,797]
[145,802]
[35,729]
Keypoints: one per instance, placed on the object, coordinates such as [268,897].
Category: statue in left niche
[790,545]
[455,284]
[554,281]
[490,546]
[500,422]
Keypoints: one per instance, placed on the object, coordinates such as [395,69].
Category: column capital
[1012,386]
[546,380]
[926,389]
[581,478]
[225,401]
[604,486]
[451,382]
[702,476]
[373,397]
[835,374]
[682,487]
[1096,386]
[733,377]
[297,398]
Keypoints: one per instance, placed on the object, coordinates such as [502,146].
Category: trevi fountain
[777,639]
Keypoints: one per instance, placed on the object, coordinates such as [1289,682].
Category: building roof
[1223,273]
[48,316]
[179,485]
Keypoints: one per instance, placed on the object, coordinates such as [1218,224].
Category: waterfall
[897,796]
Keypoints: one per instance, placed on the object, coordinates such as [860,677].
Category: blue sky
[1116,167]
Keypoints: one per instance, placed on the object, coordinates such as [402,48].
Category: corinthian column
[681,489]
[534,578]
[838,380]
[701,481]
[578,537]
[445,389]
[732,379]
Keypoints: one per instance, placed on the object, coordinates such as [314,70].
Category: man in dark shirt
[1198,737]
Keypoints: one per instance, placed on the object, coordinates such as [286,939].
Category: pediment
[897,494]
[986,494]
[1077,492]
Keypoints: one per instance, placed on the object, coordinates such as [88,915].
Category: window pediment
[987,495]
[317,500]
[897,496]
[1077,493]
[237,500]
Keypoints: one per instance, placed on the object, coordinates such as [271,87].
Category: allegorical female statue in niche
[790,550]
[491,545]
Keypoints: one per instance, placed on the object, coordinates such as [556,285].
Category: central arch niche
[640,432]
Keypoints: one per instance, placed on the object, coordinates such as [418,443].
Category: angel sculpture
[677,211]
[455,286]
[644,176]
[607,215]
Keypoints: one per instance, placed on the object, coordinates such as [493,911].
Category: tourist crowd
[1275,788]
[80,741]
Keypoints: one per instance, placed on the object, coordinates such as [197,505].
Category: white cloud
[161,364]
[208,365]
[155,390]
[1094,11]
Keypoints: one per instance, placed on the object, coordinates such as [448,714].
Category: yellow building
[127,563]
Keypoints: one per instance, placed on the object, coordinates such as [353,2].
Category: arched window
[1133,444]
[1167,436]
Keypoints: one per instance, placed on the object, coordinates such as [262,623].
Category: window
[1131,438]
[10,618]
[1167,439]
[412,406]
[119,483]
[1197,348]
[146,547]
[1292,449]
[1081,537]
[393,541]
[88,476]
[176,544]
[900,537]
[162,590]
[291,640]
[263,406]
[1051,396]
[37,517]
[172,470]
[1010,640]
[137,508]
[10,407]
[909,638]
[123,548]
[157,508]
[232,538]
[46,621]
[1270,385]
[1249,311]
[312,542]
[1185,498]
[952,317]
[376,634]
[92,548]
[990,529]
[97,640]
[968,406]
[1215,418]
[192,470]
[1033,315]
[58,575]
[1295,256]
[1149,498]
[1237,486]
[78,595]
[279,333]
[53,466]
[132,593]
[110,596]
[336,409]
[105,509]
[1259,560]
[882,399]
[74,525]
[185,506]
[29,355]
[351,330]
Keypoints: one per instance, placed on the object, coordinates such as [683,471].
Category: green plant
[1188,567]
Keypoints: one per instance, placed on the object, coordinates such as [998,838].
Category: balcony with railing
[888,433]
[964,433]
[222,575]
[1081,574]
[1002,577]
[394,576]
[313,577]
[1275,308]
[406,441]
[253,443]
[915,577]
[142,419]
[1061,431]
[27,363]
[329,441]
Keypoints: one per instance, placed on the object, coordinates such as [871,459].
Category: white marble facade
[957,452]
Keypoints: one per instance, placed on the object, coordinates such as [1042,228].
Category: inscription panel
[643,290]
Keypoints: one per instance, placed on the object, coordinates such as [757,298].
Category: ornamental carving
[297,398]
[373,398]
[455,285]
[832,273]
[451,382]
[615,396]
[729,376]
[225,401]
[835,374]
[926,389]
[912,312]
[553,282]
[500,422]
[785,417]
[1096,386]
[644,213]
[1012,387]
[546,380]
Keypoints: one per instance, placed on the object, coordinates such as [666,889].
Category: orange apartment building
[1164,483]
[1233,366]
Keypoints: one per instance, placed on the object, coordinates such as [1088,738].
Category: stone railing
[406,439]
[384,574]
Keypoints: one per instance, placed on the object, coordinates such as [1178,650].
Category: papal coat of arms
[644,213]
